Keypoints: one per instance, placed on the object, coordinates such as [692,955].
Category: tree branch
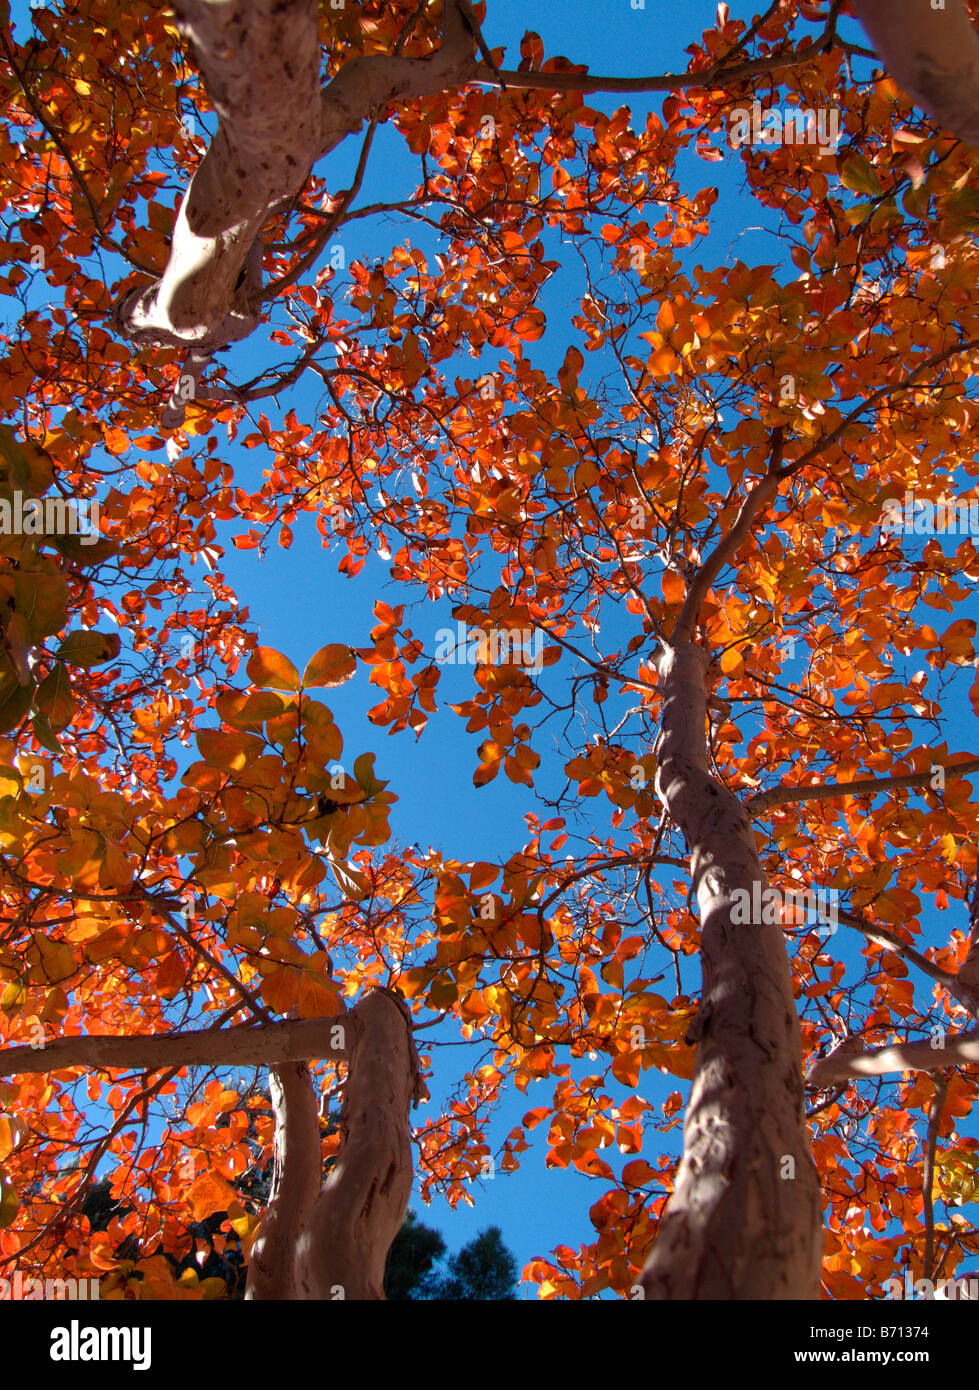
[843,1065]
[728,546]
[956,986]
[720,74]
[933,54]
[868,786]
[260,60]
[928,1175]
[264,1045]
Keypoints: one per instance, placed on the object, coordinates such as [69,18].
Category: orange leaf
[674,589]
[625,1068]
[208,1194]
[482,875]
[329,667]
[638,1173]
[269,669]
[732,662]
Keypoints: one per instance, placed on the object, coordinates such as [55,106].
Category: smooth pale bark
[261,1046]
[744,1221]
[343,1248]
[846,1065]
[317,1240]
[298,1161]
[932,53]
[260,60]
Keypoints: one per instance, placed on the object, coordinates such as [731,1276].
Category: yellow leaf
[13,996]
[12,1133]
[9,1201]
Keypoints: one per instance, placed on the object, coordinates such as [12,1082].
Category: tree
[483,1270]
[413,1254]
[688,599]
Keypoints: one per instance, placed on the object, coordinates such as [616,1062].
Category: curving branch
[260,60]
[846,1065]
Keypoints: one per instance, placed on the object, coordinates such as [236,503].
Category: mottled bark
[317,1240]
[343,1248]
[744,1219]
[260,60]
[932,52]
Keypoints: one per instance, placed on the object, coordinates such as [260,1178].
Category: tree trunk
[343,1248]
[932,52]
[298,1163]
[744,1221]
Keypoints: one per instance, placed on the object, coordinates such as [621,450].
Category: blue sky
[299,602]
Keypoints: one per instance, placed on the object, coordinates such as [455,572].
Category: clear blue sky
[301,603]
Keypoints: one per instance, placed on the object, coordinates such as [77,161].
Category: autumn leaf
[88,649]
[331,666]
[9,1201]
[209,1193]
[270,670]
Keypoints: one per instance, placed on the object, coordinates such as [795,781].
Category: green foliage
[414,1251]
[482,1271]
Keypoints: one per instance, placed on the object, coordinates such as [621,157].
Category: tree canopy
[684,543]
